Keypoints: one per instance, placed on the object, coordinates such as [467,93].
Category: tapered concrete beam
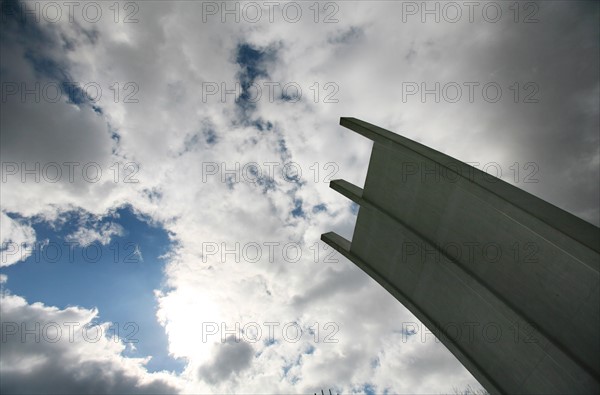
[570,225]
[425,228]
[347,189]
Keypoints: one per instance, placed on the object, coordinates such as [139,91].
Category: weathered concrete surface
[508,281]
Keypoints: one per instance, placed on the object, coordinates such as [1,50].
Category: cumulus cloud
[233,357]
[58,150]
[185,149]
[46,349]
[101,233]
[17,239]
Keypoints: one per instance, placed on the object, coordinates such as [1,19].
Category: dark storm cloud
[368,54]
[42,361]
[570,134]
[232,357]
[38,121]
[58,376]
[560,133]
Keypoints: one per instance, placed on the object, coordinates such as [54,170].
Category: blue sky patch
[253,63]
[263,125]
[118,278]
[369,389]
[319,208]
[297,211]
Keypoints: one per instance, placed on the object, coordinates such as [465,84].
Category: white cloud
[102,233]
[169,54]
[232,358]
[17,239]
[66,351]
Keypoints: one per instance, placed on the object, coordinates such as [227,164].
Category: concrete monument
[508,282]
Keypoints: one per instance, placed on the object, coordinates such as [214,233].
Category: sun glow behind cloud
[187,312]
[170,187]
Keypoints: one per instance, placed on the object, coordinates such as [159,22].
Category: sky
[166,169]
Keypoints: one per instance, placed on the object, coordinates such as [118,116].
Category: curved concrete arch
[460,248]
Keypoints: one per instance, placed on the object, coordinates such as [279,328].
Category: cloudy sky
[165,172]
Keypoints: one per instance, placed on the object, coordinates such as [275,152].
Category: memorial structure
[508,282]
